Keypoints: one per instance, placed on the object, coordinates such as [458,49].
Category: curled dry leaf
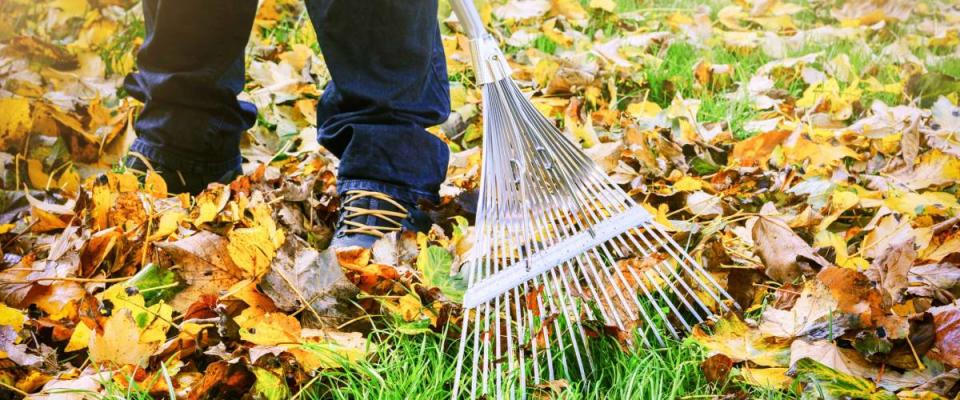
[891,271]
[302,276]
[785,255]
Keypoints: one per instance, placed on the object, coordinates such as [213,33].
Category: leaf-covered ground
[805,151]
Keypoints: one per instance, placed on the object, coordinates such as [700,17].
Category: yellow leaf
[80,338]
[605,5]
[584,132]
[327,349]
[120,342]
[117,294]
[735,339]
[268,329]
[168,224]
[11,317]
[103,199]
[410,307]
[839,203]
[154,184]
[251,249]
[687,184]
[660,215]
[819,155]
[677,20]
[550,30]
[157,322]
[15,120]
[209,203]
[127,182]
[643,109]
[45,221]
[929,203]
[69,181]
[571,9]
[769,378]
[38,178]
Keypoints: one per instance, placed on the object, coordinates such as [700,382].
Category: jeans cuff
[157,153]
[406,195]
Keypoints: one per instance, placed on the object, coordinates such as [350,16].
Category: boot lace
[392,218]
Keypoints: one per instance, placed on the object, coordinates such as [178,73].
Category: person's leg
[389,83]
[190,70]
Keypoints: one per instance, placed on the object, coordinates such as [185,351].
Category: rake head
[559,250]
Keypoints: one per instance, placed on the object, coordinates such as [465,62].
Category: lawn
[806,153]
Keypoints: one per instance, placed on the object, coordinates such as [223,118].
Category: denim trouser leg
[389,83]
[190,70]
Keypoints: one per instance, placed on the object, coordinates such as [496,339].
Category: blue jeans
[389,82]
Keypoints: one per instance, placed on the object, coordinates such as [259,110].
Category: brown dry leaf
[812,315]
[934,280]
[785,255]
[72,388]
[889,232]
[204,265]
[946,320]
[891,271]
[96,250]
[855,294]
[716,368]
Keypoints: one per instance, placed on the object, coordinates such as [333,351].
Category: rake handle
[469,17]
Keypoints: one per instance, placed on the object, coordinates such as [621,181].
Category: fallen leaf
[946,320]
[891,271]
[301,276]
[835,385]
[716,368]
[119,343]
[268,329]
[785,255]
[204,265]
[811,316]
[435,263]
[768,378]
[733,338]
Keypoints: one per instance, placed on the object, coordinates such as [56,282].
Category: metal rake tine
[665,279]
[503,239]
[700,273]
[699,267]
[675,276]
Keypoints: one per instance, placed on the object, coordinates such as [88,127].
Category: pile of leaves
[805,152]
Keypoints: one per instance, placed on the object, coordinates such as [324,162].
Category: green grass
[423,366]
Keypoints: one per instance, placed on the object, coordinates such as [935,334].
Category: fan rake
[559,250]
